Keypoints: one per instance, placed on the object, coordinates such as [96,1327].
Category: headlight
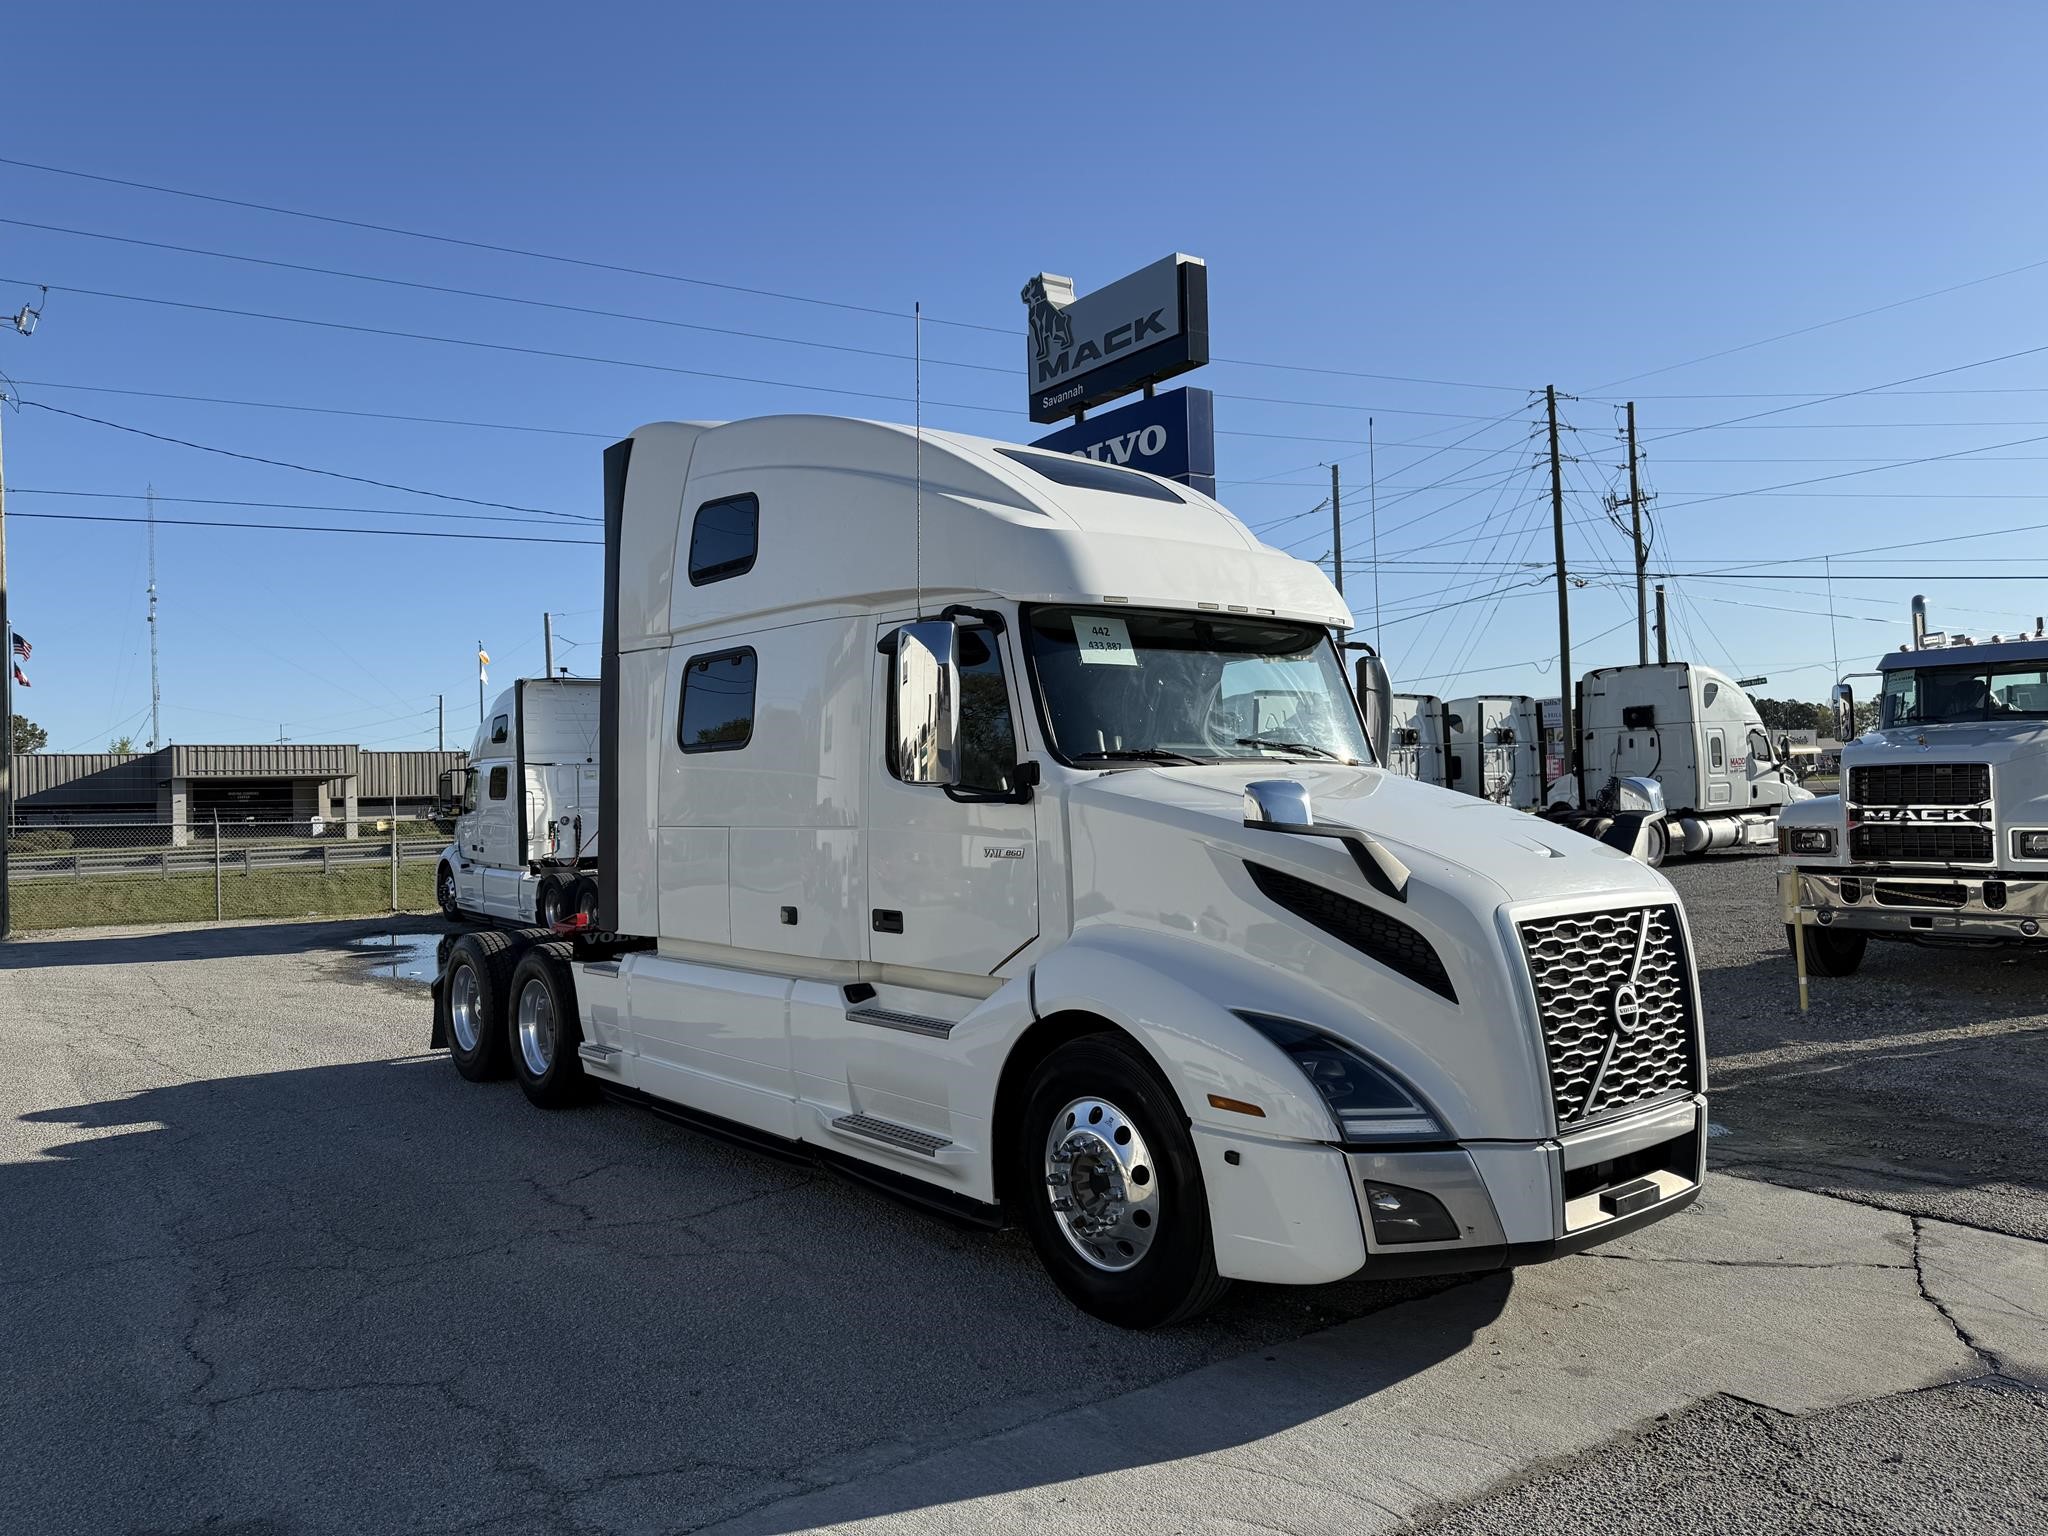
[1806,840]
[1367,1101]
[2030,845]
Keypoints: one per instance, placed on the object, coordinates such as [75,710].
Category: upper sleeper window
[718,702]
[501,727]
[1087,475]
[724,537]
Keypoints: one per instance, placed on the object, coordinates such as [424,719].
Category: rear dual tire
[561,896]
[542,1033]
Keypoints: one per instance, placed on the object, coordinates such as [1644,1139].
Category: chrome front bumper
[1931,905]
[1548,1198]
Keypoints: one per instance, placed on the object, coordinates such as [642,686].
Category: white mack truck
[1000,828]
[1940,832]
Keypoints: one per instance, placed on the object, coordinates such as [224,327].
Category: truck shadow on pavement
[370,1296]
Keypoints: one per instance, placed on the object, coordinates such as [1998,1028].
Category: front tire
[542,1031]
[1105,1176]
[447,894]
[1829,951]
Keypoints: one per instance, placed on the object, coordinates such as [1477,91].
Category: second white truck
[525,809]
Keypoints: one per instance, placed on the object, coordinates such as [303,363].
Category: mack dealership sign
[1172,435]
[1140,329]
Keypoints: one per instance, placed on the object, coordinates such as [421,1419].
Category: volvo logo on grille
[1625,1010]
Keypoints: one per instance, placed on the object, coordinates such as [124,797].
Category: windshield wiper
[1134,755]
[1273,744]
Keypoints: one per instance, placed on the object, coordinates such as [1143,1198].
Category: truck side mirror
[1844,699]
[926,684]
[1376,698]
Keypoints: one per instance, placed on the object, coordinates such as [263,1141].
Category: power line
[1846,474]
[278,506]
[332,474]
[388,533]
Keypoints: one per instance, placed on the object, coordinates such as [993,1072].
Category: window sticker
[1104,640]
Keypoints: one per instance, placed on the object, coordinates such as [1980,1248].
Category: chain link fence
[89,874]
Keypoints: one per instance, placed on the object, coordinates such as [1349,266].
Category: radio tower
[156,695]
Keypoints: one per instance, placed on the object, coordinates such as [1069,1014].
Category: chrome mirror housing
[1277,803]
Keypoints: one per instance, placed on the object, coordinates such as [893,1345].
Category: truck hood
[1975,742]
[1427,828]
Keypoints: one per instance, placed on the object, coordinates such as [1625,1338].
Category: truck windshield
[1138,685]
[1935,695]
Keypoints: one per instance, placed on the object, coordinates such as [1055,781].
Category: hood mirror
[1277,803]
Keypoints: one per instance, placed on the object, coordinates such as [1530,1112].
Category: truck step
[890,1134]
[909,1023]
[603,1057]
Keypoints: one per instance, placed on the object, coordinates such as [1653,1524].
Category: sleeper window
[501,727]
[718,702]
[501,781]
[724,537]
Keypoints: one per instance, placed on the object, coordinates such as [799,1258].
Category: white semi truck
[1940,831]
[524,810]
[1419,739]
[1496,749]
[942,841]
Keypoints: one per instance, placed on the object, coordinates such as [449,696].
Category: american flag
[22,648]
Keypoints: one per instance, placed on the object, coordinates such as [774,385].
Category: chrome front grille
[1920,784]
[1614,996]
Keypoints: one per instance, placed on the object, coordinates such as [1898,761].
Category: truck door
[953,882]
[1719,790]
[498,840]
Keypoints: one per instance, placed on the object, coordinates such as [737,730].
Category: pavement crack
[1642,1258]
[1987,1357]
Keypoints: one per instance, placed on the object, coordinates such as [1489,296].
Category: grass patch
[65,903]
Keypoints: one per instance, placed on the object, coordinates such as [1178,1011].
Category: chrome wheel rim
[465,1008]
[447,892]
[536,1028]
[1102,1184]
[548,902]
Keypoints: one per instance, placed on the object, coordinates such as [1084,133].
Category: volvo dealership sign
[1140,329]
[1172,435]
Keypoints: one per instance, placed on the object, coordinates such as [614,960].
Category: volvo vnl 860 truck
[1940,831]
[1000,828]
[523,812]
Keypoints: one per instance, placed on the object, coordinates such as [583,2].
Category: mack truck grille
[1615,1000]
[1890,842]
[1920,784]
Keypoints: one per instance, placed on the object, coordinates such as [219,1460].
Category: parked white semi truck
[1940,831]
[1496,749]
[941,842]
[525,808]
[1419,739]
[1693,732]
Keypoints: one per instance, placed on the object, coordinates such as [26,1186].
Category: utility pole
[1635,517]
[1337,529]
[1372,492]
[481,653]
[1564,610]
[1663,650]
[440,722]
[25,323]
[547,644]
[156,697]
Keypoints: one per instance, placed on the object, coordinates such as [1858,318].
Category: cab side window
[1717,756]
[725,536]
[501,782]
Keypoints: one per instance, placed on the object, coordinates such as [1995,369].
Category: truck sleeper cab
[1940,831]
[524,812]
[1000,826]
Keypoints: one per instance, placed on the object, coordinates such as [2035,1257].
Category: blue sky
[1491,196]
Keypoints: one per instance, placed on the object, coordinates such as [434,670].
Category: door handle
[886,921]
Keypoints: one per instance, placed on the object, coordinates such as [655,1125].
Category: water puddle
[401,956]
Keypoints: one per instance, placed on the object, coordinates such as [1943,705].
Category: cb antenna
[917,429]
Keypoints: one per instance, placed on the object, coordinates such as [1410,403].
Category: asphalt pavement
[272,1268]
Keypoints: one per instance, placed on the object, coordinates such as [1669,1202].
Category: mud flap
[437,1037]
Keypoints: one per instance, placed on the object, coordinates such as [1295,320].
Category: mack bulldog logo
[1051,330]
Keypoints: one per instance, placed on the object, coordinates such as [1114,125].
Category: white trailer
[1940,832]
[1497,749]
[1693,732]
[1000,827]
[526,807]
[1419,739]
